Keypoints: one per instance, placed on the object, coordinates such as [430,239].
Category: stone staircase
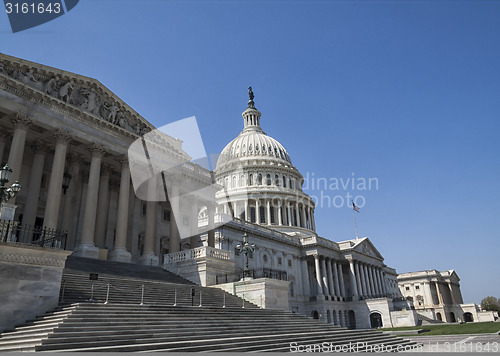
[122,327]
[138,308]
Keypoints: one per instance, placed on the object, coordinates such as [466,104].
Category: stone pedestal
[121,255]
[264,292]
[8,211]
[31,281]
[149,259]
[201,265]
[86,250]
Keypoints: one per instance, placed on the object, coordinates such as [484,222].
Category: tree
[490,303]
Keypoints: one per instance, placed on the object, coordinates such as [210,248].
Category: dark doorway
[452,317]
[468,317]
[439,317]
[315,314]
[352,319]
[375,320]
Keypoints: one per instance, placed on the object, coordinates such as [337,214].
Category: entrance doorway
[376,320]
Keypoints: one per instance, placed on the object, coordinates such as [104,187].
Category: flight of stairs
[223,322]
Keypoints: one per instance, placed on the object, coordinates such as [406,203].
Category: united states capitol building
[251,231]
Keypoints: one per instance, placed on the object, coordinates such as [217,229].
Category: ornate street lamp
[66,180]
[246,248]
[7,193]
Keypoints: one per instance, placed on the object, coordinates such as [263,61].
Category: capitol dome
[258,181]
[254,143]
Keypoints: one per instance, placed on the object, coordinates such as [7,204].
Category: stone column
[353,280]
[367,277]
[304,219]
[440,297]
[211,225]
[71,200]
[31,206]
[102,208]
[247,218]
[341,280]
[379,280]
[87,247]
[330,278]
[148,256]
[363,279]
[280,219]
[427,294]
[305,273]
[324,279]
[289,218]
[193,239]
[4,136]
[55,183]
[120,252]
[298,214]
[384,285]
[21,123]
[318,274]
[372,279]
[310,217]
[358,278]
[453,301]
[174,245]
[257,211]
[313,221]
[337,279]
[268,203]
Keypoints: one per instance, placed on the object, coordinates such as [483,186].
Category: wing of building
[66,139]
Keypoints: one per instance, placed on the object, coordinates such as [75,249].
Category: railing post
[63,290]
[201,293]
[243,299]
[92,293]
[142,295]
[224,300]
[175,297]
[107,295]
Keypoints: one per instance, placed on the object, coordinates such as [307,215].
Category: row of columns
[282,212]
[366,280]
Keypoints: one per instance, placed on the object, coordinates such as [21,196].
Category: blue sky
[407,92]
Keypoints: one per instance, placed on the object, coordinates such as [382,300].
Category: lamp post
[7,193]
[246,248]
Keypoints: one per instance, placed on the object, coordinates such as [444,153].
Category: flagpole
[355,225]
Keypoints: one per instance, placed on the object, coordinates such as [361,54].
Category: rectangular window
[290,263]
[407,288]
[166,214]
[280,261]
[417,287]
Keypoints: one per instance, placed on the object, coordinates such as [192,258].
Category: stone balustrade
[199,252]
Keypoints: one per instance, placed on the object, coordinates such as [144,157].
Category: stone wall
[264,292]
[31,280]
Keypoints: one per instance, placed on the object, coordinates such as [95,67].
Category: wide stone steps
[149,310]
[78,288]
[122,327]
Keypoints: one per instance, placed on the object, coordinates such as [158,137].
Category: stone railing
[199,252]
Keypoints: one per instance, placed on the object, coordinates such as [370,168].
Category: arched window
[234,182]
[284,182]
[277,180]
[250,179]
[259,179]
[290,183]
[242,180]
[268,179]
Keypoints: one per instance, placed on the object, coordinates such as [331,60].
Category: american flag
[354,207]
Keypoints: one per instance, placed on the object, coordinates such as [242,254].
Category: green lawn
[451,329]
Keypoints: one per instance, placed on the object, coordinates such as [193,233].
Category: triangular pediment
[366,247]
[78,94]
